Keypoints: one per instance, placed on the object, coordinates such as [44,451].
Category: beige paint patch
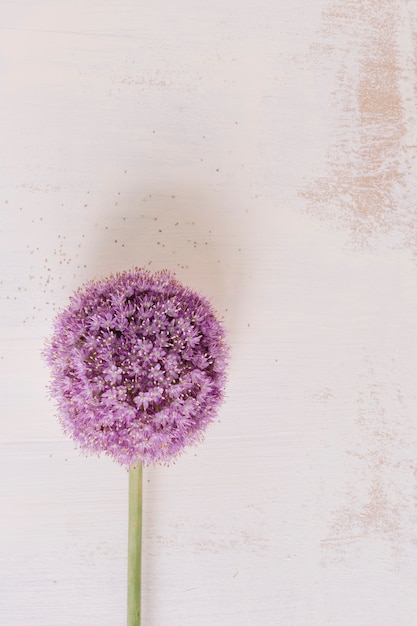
[369,180]
[379,496]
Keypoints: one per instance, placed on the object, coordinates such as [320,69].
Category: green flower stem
[134,561]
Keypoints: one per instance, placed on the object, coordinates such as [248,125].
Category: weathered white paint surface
[265,151]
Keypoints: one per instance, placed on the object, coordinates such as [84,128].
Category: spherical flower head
[138,366]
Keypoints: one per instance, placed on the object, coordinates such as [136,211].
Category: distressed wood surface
[266,152]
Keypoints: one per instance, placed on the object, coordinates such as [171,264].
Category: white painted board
[266,152]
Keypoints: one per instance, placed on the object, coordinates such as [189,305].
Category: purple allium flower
[138,366]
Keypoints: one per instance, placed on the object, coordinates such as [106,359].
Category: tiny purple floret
[138,367]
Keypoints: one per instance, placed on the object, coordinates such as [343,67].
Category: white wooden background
[266,152]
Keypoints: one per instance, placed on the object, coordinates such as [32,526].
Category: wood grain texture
[265,152]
